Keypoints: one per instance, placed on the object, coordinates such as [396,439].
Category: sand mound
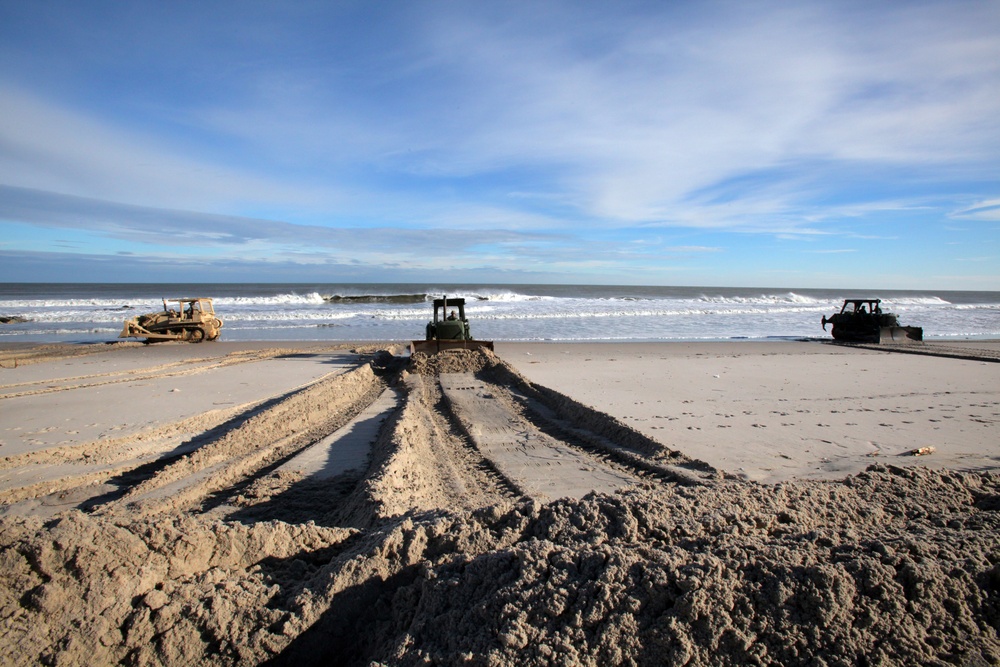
[452,361]
[888,567]
[86,591]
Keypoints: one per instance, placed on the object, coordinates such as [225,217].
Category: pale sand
[241,504]
[766,412]
[776,411]
[116,392]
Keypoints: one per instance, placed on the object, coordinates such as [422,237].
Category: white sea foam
[399,312]
[789,297]
[312,298]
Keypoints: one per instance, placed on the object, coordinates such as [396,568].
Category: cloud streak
[182,228]
[504,132]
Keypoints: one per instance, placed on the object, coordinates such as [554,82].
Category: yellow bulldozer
[193,320]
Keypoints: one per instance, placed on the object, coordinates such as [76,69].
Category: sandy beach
[641,503]
[772,412]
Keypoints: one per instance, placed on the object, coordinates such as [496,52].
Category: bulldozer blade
[900,334]
[435,346]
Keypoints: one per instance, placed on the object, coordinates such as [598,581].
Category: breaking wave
[501,312]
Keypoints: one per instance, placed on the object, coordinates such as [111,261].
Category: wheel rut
[461,430]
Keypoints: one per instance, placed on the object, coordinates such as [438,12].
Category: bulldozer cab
[194,309]
[447,323]
[861,307]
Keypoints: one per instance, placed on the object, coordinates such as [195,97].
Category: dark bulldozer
[864,321]
[449,330]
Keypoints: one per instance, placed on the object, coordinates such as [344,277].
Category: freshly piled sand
[233,547]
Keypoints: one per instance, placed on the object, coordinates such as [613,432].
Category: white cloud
[58,149]
[988,210]
[665,111]
[621,114]
[513,122]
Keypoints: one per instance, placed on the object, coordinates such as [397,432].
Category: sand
[680,504]
[776,411]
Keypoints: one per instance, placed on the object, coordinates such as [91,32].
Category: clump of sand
[452,361]
[892,566]
[82,590]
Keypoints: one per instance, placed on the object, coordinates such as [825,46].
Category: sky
[779,144]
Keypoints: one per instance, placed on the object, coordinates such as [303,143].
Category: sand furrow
[423,464]
[16,356]
[349,447]
[162,438]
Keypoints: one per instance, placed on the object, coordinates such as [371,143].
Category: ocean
[94,312]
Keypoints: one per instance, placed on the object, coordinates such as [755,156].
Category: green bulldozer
[449,330]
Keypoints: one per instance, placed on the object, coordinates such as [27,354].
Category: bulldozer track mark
[145,454]
[533,461]
[204,427]
[10,359]
[421,462]
[473,461]
[85,381]
[486,466]
[542,443]
[929,349]
[683,472]
[132,446]
[270,436]
[173,369]
[300,477]
[602,433]
[437,405]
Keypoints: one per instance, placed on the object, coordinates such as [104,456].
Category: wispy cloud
[985,210]
[510,133]
[168,227]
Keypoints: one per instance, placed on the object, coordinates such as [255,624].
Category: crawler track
[933,349]
[532,460]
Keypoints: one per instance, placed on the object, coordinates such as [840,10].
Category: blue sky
[785,144]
